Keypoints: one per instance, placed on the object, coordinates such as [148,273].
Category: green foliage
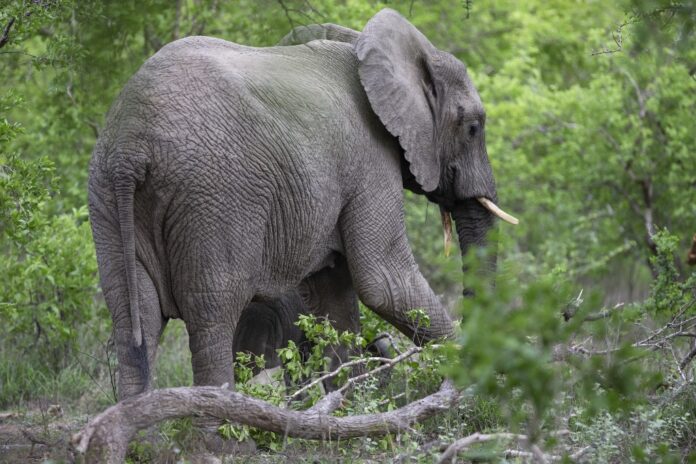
[48,265]
[300,370]
[590,131]
[669,294]
[511,358]
[647,434]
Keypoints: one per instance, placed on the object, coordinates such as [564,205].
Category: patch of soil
[23,442]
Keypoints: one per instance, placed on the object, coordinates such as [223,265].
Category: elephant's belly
[295,260]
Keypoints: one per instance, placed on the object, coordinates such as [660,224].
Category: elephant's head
[425,98]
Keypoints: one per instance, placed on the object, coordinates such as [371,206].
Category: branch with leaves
[105,438]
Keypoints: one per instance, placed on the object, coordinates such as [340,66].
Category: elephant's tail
[125,193]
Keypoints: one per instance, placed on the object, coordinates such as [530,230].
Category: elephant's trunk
[473,221]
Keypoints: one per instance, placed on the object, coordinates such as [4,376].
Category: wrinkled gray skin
[266,326]
[227,174]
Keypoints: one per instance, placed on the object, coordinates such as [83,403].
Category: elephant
[227,175]
[266,326]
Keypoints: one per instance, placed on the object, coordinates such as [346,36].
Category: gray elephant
[266,326]
[228,174]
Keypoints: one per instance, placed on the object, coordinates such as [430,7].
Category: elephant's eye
[474,129]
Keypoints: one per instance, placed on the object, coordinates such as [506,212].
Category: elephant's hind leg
[211,325]
[135,364]
[211,319]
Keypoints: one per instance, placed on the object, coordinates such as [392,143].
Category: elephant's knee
[374,289]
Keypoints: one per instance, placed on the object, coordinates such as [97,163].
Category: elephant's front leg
[329,293]
[384,271]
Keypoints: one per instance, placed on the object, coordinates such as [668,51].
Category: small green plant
[419,318]
[322,336]
[140,451]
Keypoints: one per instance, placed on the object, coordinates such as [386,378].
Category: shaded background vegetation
[591,131]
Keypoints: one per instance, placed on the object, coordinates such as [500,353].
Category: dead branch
[574,306]
[327,404]
[105,438]
[6,33]
[635,17]
[534,452]
[464,443]
[511,453]
[602,314]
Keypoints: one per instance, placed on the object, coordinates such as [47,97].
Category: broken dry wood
[535,453]
[464,443]
[105,438]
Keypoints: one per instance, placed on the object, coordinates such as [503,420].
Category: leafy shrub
[48,264]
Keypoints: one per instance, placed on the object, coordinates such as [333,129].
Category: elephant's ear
[395,68]
[304,34]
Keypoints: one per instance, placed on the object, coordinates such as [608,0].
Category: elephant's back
[244,144]
[201,89]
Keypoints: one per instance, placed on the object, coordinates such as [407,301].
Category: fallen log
[105,438]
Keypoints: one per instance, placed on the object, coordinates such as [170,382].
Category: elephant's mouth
[486,203]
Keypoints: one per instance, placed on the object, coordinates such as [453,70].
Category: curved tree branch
[105,438]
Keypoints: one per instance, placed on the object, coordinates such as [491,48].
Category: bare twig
[657,340]
[387,363]
[573,307]
[286,10]
[603,314]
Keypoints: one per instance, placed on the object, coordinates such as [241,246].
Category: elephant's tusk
[493,208]
[447,229]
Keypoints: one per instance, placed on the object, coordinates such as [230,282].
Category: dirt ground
[36,436]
